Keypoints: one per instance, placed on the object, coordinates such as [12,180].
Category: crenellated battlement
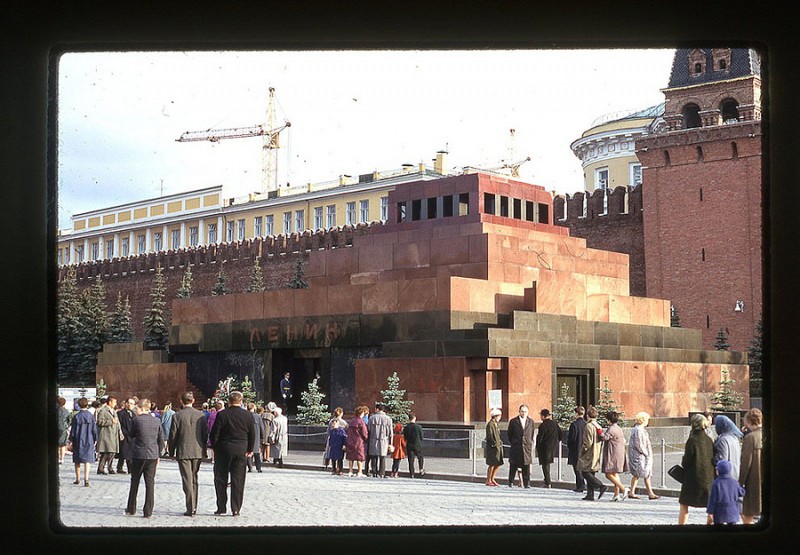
[584,206]
[237,252]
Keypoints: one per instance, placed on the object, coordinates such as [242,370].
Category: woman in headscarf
[494,447]
[281,431]
[750,469]
[727,446]
[82,439]
[640,456]
[698,468]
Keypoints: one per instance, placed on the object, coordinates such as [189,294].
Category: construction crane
[511,167]
[270,146]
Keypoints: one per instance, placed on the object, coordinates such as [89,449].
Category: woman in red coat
[398,448]
[355,446]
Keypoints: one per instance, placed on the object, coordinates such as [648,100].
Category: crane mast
[269,133]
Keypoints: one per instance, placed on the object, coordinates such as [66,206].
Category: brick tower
[701,196]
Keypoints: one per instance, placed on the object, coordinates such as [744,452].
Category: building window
[287,223]
[212,233]
[66,255]
[270,225]
[331,215]
[79,253]
[463,204]
[635,175]
[350,214]
[240,230]
[601,178]
[432,208]
[401,212]
[193,236]
[384,208]
[299,221]
[729,111]
[141,243]
[158,241]
[110,248]
[698,67]
[447,206]
[364,211]
[488,203]
[229,232]
[699,154]
[317,217]
[691,116]
[95,251]
[416,210]
[257,226]
[723,64]
[176,239]
[125,246]
[59,257]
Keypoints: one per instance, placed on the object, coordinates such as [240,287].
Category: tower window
[729,111]
[701,194]
[734,151]
[699,154]
[723,64]
[691,116]
[667,161]
[698,67]
[703,255]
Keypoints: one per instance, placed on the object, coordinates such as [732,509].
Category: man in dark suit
[125,416]
[232,437]
[148,444]
[188,434]
[520,436]
[574,442]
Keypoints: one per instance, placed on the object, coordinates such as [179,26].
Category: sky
[351,112]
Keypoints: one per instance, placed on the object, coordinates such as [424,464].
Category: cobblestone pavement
[301,494]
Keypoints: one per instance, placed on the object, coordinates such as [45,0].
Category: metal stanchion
[663,462]
[474,451]
[559,460]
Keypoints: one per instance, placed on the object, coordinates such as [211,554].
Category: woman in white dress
[640,456]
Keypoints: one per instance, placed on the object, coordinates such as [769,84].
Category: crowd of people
[722,475]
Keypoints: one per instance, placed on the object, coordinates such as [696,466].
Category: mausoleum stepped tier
[469,288]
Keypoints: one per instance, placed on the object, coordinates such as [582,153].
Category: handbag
[391,449]
[677,473]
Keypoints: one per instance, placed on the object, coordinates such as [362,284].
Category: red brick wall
[704,253]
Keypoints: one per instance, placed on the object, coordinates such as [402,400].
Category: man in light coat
[188,436]
[379,426]
[108,435]
[521,430]
[589,458]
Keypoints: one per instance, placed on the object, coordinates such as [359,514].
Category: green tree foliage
[156,334]
[248,393]
[674,317]
[101,388]
[91,331]
[256,278]
[68,323]
[397,408]
[721,342]
[298,278]
[120,329]
[606,404]
[564,409]
[727,398]
[754,354]
[185,290]
[311,411]
[219,287]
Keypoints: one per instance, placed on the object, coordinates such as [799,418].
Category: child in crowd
[336,439]
[399,445]
[724,500]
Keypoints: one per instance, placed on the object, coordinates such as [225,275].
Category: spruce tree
[256,278]
[248,393]
[311,411]
[185,290]
[92,329]
[68,323]
[397,408]
[607,404]
[564,409]
[726,398]
[156,334]
[298,278]
[754,353]
[219,287]
[674,317]
[120,327]
[721,342]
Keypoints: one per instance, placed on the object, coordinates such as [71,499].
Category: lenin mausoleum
[470,293]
